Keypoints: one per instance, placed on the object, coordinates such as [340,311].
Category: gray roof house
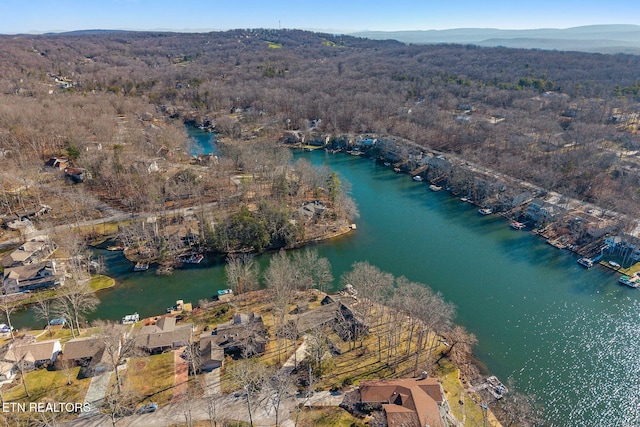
[32,277]
[165,334]
[211,354]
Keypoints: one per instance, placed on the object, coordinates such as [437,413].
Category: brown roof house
[211,354]
[88,353]
[244,336]
[411,402]
[32,277]
[33,354]
[165,334]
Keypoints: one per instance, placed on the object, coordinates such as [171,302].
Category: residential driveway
[95,393]
[212,381]
[288,366]
[323,398]
[181,375]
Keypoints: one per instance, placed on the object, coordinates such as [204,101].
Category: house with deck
[244,336]
[88,353]
[32,277]
[165,334]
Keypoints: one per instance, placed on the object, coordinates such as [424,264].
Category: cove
[568,335]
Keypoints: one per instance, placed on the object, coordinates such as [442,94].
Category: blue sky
[23,16]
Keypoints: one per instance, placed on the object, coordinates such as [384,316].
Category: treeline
[546,117]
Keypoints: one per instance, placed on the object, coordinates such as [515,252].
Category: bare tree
[281,278]
[314,271]
[75,300]
[120,344]
[118,403]
[248,375]
[277,389]
[242,273]
[42,310]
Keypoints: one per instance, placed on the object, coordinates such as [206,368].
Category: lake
[568,335]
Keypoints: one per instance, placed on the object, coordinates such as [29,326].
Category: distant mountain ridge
[591,38]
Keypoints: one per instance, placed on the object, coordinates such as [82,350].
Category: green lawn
[99,282]
[151,378]
[329,417]
[50,384]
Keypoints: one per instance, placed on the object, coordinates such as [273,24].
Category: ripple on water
[594,376]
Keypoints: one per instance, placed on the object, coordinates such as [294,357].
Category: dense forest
[565,121]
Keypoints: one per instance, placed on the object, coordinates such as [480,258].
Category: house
[77,175]
[164,335]
[411,402]
[244,336]
[32,277]
[7,371]
[348,323]
[28,253]
[313,209]
[32,354]
[88,353]
[57,162]
[211,354]
[540,211]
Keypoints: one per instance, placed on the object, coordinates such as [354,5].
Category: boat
[585,262]
[517,225]
[225,291]
[141,266]
[465,199]
[485,211]
[194,259]
[115,248]
[307,149]
[396,170]
[417,178]
[614,264]
[130,318]
[434,187]
[632,282]
[387,164]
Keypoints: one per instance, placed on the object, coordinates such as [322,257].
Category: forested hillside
[565,121]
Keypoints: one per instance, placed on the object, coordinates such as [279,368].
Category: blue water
[568,335]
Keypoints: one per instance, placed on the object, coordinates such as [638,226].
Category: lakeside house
[411,402]
[244,336]
[31,355]
[88,353]
[32,277]
[211,354]
[164,335]
[29,252]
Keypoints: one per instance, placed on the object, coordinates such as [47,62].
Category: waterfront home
[211,354]
[165,335]
[540,211]
[32,355]
[410,402]
[88,353]
[28,253]
[32,277]
[244,336]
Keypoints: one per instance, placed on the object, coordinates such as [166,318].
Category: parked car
[149,407]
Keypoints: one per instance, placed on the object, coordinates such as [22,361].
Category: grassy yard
[151,377]
[51,385]
[99,282]
[328,417]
